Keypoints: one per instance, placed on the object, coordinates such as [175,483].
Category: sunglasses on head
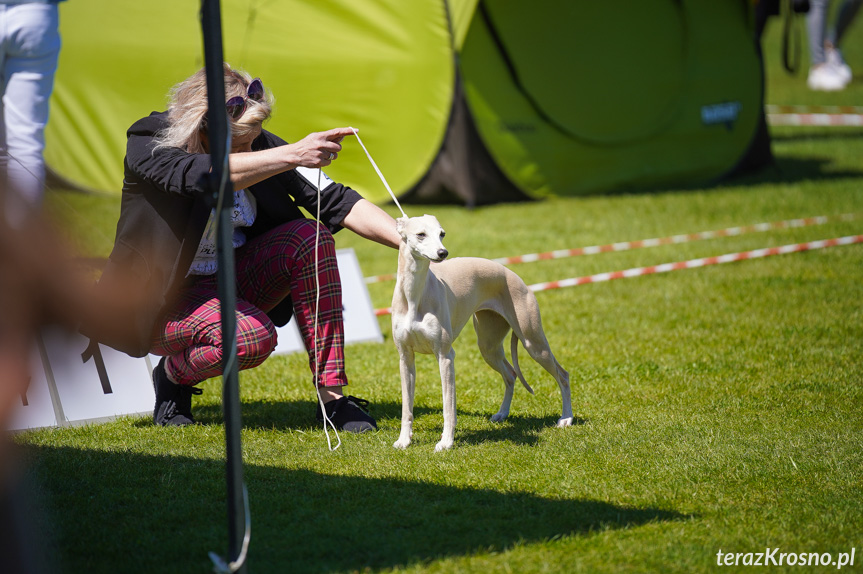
[236,106]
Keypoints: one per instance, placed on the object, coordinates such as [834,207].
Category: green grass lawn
[717,408]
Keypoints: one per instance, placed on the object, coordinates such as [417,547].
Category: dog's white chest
[423,335]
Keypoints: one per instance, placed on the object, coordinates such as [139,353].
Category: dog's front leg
[446,361]
[407,367]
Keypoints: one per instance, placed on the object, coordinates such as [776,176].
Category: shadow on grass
[789,170]
[784,170]
[515,429]
[141,513]
[299,415]
[827,134]
[290,415]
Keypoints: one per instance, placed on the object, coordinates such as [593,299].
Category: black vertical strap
[790,39]
[219,142]
[93,351]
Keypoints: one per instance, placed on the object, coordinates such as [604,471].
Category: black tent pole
[219,142]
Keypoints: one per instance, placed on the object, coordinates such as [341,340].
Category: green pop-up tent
[580,97]
[476,101]
[385,68]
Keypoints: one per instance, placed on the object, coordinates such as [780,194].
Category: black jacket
[165,206]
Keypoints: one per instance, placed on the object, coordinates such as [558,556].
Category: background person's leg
[844,17]
[816,29]
[33,48]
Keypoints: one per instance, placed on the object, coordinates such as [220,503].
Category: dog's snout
[442,253]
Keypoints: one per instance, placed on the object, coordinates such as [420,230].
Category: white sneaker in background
[834,58]
[825,78]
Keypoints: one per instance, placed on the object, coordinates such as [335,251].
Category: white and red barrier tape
[814,115]
[692,263]
[642,243]
[774,109]
[703,262]
[852,120]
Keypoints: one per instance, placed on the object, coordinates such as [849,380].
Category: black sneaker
[349,414]
[173,402]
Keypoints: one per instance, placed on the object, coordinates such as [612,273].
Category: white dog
[431,307]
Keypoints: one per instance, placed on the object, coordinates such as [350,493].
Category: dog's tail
[514,349]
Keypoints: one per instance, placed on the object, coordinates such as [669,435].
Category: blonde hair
[187,111]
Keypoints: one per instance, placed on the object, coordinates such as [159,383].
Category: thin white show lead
[380,175]
[318,285]
[315,324]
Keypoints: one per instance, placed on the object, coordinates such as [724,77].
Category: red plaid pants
[269,267]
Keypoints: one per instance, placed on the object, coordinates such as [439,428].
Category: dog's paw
[498,417]
[402,443]
[564,422]
[443,445]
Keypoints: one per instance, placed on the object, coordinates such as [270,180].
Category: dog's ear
[400,225]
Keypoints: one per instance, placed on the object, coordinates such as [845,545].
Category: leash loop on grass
[219,564]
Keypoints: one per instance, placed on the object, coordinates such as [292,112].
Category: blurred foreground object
[39,285]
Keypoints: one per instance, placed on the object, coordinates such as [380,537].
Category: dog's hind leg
[491,329]
[538,348]
[566,418]
[407,366]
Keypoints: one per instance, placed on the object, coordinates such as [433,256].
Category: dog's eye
[421,235]
[442,234]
